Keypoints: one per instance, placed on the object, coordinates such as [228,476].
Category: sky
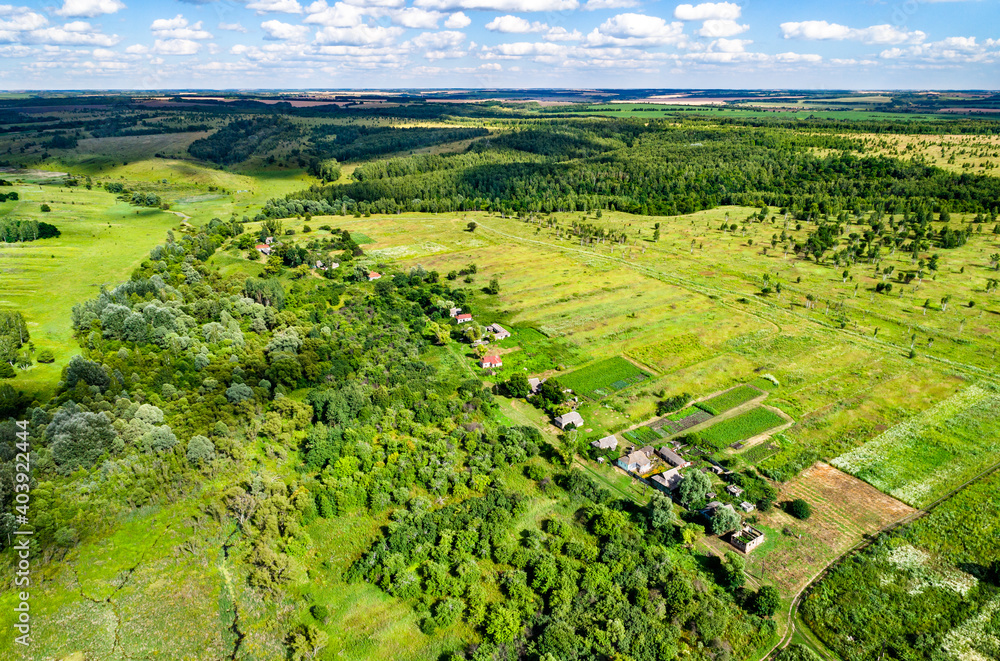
[329,44]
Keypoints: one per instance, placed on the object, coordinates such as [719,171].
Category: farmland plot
[924,457]
[729,399]
[603,378]
[682,420]
[744,426]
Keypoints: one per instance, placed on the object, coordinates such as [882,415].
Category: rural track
[708,290]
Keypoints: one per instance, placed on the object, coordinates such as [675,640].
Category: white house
[571,418]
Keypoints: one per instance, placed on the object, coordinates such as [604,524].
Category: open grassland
[934,451]
[924,586]
[978,154]
[102,241]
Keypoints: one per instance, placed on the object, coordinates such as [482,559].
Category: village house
[606,443]
[454,312]
[747,539]
[734,490]
[462,318]
[372,275]
[269,240]
[499,332]
[747,507]
[534,384]
[668,481]
[491,361]
[263,248]
[636,462]
[713,507]
[571,418]
[672,457]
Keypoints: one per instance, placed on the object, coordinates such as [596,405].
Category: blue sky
[213,44]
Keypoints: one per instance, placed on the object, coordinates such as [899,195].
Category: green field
[603,378]
[729,399]
[745,425]
[925,456]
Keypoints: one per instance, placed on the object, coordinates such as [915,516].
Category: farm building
[462,318]
[499,332]
[734,490]
[668,481]
[747,539]
[713,507]
[263,248]
[606,443]
[372,275]
[454,312]
[672,457]
[636,462]
[571,418]
[535,384]
[491,361]
[747,507]
[269,240]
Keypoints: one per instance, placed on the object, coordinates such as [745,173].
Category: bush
[766,601]
[800,509]
[7,371]
[46,356]
[46,208]
[320,612]
[200,449]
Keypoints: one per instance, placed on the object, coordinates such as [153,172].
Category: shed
[672,457]
[571,418]
[499,332]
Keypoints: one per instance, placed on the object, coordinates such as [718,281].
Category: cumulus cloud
[721,27]
[949,51]
[414,17]
[515,25]
[27,20]
[275,6]
[340,15]
[708,11]
[500,5]
[276,30]
[636,30]
[440,45]
[178,28]
[359,35]
[610,4]
[232,27]
[823,30]
[176,47]
[457,21]
[562,34]
[89,8]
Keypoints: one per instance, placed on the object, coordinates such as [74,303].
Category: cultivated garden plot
[681,420]
[923,586]
[730,399]
[604,378]
[740,428]
[922,458]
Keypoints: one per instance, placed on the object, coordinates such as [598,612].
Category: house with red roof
[491,361]
[462,318]
[372,275]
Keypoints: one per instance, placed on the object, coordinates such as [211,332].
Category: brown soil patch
[845,509]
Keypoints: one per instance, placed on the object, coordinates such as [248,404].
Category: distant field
[654,110]
[603,378]
[745,425]
[729,399]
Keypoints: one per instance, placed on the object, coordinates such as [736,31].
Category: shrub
[320,612]
[7,371]
[800,509]
[200,449]
[45,356]
[766,601]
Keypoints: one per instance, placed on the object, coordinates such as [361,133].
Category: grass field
[102,241]
[923,457]
[729,399]
[603,378]
[740,428]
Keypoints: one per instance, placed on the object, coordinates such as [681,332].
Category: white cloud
[561,34]
[636,30]
[949,51]
[178,28]
[27,20]
[721,27]
[457,21]
[340,15]
[730,45]
[610,4]
[413,17]
[276,30]
[176,47]
[359,35]
[89,8]
[280,6]
[791,58]
[876,34]
[708,11]
[440,45]
[232,27]
[515,25]
[500,5]
[137,49]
